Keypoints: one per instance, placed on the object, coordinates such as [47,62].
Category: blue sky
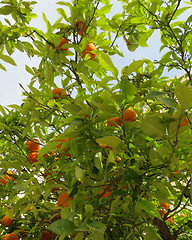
[9,80]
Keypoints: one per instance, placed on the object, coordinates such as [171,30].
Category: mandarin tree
[108,156]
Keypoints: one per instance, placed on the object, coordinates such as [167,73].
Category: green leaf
[88,209]
[168,102]
[2,67]
[48,25]
[127,88]
[47,148]
[29,70]
[73,108]
[79,236]
[104,10]
[151,234]
[62,227]
[62,12]
[149,207]
[132,47]
[154,94]
[6,10]
[97,226]
[98,161]
[3,126]
[110,141]
[162,191]
[152,126]
[7,59]
[79,173]
[184,96]
[107,63]
[133,67]
[48,72]
[130,174]
[104,107]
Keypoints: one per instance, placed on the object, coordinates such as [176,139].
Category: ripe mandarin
[63,200]
[165,205]
[129,115]
[80,27]
[63,42]
[6,221]
[58,93]
[33,145]
[32,156]
[10,236]
[90,47]
[113,121]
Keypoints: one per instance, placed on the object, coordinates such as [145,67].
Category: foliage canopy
[115,178]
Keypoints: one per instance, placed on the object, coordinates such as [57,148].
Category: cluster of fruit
[128,116]
[163,212]
[80,27]
[33,146]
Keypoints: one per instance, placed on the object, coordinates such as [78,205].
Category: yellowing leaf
[111,142]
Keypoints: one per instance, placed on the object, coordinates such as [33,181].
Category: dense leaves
[115,176]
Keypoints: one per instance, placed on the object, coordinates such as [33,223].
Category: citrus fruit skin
[62,140]
[33,145]
[80,27]
[106,191]
[33,157]
[6,221]
[63,41]
[10,236]
[113,121]
[58,93]
[63,200]
[6,178]
[185,122]
[47,235]
[165,205]
[90,47]
[129,115]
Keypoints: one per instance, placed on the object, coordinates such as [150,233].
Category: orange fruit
[58,93]
[129,115]
[33,145]
[106,193]
[90,47]
[183,215]
[33,157]
[10,236]
[6,178]
[113,121]
[185,122]
[6,221]
[63,200]
[47,235]
[165,205]
[80,27]
[63,42]
[170,220]
[3,181]
[46,155]
[118,159]
[162,212]
[62,140]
